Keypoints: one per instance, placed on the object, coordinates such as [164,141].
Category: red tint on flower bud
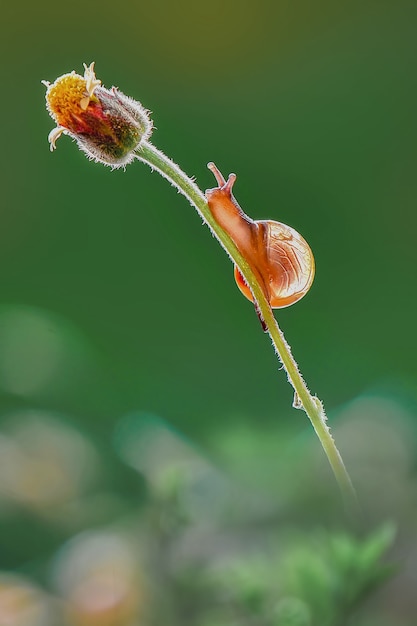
[106,124]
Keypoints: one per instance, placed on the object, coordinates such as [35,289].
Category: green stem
[311,404]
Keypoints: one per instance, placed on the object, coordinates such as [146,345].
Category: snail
[280,258]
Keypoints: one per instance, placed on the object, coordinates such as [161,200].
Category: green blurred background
[119,311]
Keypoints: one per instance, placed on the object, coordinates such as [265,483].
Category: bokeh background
[152,469]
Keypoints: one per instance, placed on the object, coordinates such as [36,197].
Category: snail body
[278,255]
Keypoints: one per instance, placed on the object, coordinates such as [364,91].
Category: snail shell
[278,255]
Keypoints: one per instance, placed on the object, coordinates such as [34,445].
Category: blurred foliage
[202,541]
[313,579]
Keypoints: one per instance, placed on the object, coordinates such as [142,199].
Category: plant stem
[311,404]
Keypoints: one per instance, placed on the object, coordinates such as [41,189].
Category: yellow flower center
[67,96]
[71,94]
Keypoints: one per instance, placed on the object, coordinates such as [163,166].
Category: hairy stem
[311,404]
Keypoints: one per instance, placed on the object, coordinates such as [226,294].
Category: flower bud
[106,124]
